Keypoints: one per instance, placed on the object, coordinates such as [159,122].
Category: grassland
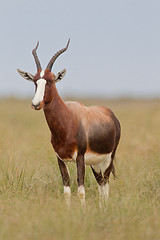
[31,199]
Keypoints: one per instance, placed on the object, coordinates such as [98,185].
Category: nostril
[35,106]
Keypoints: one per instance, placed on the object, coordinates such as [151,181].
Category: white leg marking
[105,190]
[103,194]
[100,196]
[41,83]
[81,195]
[67,195]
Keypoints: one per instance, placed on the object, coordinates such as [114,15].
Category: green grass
[31,191]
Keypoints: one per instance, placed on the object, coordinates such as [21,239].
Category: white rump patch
[41,83]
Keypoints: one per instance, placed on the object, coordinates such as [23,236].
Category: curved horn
[53,59]
[36,57]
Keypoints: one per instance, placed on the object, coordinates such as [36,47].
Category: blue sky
[114,49]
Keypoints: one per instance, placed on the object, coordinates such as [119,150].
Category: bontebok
[80,134]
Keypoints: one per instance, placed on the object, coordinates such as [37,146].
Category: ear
[26,75]
[60,75]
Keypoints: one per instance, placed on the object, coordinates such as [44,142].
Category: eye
[49,83]
[35,86]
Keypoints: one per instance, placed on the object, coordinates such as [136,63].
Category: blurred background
[113,60]
[114,50]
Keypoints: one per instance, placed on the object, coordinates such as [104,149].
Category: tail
[112,165]
[111,168]
[118,134]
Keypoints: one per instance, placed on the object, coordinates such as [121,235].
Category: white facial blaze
[41,83]
[41,73]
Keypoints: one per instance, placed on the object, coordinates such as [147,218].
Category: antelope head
[44,80]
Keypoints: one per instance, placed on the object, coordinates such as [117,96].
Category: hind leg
[106,174]
[96,169]
[102,177]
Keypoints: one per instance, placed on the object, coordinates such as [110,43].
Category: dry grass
[31,199]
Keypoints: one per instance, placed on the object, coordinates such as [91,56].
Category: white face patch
[42,74]
[41,83]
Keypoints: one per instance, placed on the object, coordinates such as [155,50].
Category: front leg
[66,183]
[80,178]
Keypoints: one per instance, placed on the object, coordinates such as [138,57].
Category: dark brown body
[75,127]
[85,135]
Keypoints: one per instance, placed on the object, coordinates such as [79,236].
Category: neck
[56,113]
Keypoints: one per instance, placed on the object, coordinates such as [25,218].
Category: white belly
[90,158]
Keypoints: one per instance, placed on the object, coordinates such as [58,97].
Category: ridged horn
[53,59]
[36,57]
